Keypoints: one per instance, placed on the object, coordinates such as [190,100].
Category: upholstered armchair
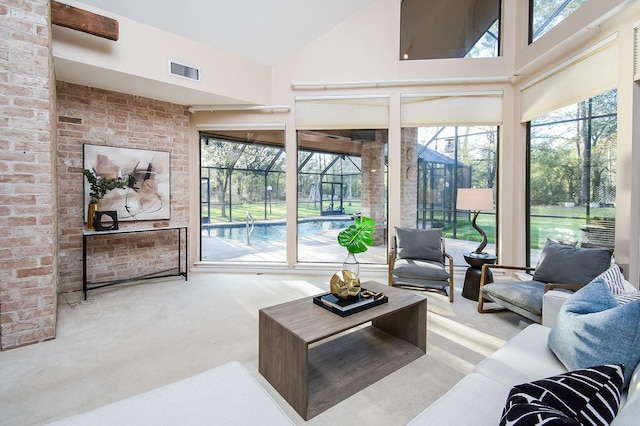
[559,266]
[418,260]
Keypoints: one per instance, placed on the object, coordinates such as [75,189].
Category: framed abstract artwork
[148,194]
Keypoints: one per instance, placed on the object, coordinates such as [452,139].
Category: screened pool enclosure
[340,174]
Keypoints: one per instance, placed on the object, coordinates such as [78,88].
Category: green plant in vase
[98,188]
[356,238]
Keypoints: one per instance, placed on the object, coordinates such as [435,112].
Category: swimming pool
[273,231]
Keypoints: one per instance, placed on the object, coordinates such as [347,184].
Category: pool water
[274,231]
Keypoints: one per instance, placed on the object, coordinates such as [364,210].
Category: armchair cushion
[526,295]
[591,319]
[420,269]
[560,263]
[424,244]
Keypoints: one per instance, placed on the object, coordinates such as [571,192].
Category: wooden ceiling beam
[83,20]
[314,142]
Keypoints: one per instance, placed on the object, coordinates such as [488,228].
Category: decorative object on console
[98,188]
[356,238]
[106,220]
[91,215]
[146,173]
[476,199]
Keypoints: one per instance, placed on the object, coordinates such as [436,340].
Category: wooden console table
[86,286]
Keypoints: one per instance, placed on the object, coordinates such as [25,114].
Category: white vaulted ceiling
[266,31]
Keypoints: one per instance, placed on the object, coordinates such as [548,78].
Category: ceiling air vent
[184,71]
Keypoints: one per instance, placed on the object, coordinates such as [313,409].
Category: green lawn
[274,211]
[556,222]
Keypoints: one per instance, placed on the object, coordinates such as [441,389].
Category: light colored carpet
[135,337]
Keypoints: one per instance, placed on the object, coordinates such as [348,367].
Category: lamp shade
[475,199]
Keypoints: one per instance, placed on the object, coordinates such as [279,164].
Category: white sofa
[225,395]
[479,398]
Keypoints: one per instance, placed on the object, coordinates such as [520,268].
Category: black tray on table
[346,307]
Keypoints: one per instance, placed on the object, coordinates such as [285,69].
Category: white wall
[137,63]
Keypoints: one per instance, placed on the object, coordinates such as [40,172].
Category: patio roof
[430,156]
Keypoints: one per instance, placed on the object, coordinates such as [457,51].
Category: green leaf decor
[359,236]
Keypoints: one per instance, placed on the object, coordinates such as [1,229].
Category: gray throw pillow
[563,264]
[422,244]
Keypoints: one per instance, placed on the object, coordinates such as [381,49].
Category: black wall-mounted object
[106,220]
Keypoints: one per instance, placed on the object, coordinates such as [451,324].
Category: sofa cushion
[525,358]
[560,263]
[425,244]
[592,320]
[587,396]
[480,397]
[420,269]
[523,294]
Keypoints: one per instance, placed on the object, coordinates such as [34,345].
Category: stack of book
[345,307]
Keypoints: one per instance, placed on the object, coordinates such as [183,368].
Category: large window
[449,158]
[341,174]
[437,29]
[242,196]
[572,175]
[546,14]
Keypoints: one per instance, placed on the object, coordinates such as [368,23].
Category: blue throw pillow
[592,328]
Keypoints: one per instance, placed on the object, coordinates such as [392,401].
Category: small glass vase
[351,264]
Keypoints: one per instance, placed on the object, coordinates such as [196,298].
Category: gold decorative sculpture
[344,284]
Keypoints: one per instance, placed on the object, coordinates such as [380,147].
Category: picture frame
[148,195]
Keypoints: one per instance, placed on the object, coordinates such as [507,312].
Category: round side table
[471,287]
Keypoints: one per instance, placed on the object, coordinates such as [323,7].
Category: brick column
[28,204]
[373,190]
[409,173]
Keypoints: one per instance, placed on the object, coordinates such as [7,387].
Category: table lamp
[476,199]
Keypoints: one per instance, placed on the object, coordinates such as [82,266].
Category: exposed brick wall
[100,117]
[27,172]
[409,177]
[374,193]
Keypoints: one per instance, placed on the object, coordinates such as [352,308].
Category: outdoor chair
[560,266]
[418,260]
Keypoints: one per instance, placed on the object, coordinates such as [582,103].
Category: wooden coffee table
[315,358]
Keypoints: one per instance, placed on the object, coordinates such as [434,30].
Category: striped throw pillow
[624,298]
[587,396]
[614,279]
